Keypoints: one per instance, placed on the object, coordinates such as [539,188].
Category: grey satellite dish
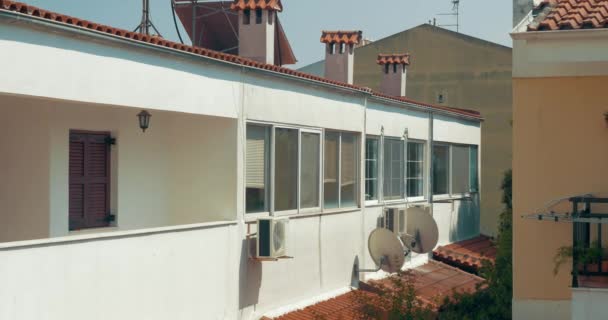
[421,234]
[387,250]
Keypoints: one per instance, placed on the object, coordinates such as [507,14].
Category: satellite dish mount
[146,23]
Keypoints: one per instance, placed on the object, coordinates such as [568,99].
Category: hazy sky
[303,20]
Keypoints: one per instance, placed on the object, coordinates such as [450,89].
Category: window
[340,180]
[286,169]
[394,168]
[258,168]
[474,169]
[371,168]
[247,16]
[441,169]
[89,180]
[330,181]
[295,156]
[460,169]
[258,16]
[415,169]
[311,170]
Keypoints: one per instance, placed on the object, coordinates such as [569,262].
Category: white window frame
[357,177]
[404,167]
[468,146]
[379,139]
[424,170]
[272,171]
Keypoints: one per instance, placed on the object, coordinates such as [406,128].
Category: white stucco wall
[589,303]
[447,129]
[395,120]
[181,171]
[103,72]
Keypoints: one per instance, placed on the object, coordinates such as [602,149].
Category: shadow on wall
[466,221]
[249,291]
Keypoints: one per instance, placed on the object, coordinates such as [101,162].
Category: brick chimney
[394,73]
[340,54]
[257,28]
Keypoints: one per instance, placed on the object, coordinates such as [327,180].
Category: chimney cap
[403,58]
[272,5]
[347,37]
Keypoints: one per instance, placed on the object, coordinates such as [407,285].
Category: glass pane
[330,180]
[474,169]
[348,167]
[441,162]
[371,189]
[393,169]
[460,169]
[310,167]
[415,187]
[286,169]
[257,166]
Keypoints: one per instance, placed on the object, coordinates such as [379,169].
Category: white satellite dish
[387,250]
[422,234]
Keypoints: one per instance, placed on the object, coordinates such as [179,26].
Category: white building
[103,221]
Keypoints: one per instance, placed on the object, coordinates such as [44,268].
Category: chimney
[394,73]
[257,28]
[340,54]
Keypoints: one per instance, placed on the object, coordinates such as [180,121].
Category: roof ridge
[33,11]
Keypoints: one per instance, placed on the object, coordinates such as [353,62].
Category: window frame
[424,171]
[378,170]
[403,167]
[357,178]
[272,171]
[451,193]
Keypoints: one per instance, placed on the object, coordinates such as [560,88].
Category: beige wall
[475,74]
[559,150]
[181,171]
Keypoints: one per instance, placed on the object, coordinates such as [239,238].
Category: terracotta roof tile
[394,59]
[13,6]
[347,37]
[467,255]
[434,281]
[570,14]
[274,5]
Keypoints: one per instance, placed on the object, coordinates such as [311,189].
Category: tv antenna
[388,249]
[455,12]
[146,23]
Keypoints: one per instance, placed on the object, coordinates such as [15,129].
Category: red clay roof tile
[347,37]
[274,5]
[9,5]
[467,255]
[394,59]
[570,14]
[433,282]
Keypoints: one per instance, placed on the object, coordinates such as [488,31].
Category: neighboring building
[521,8]
[103,220]
[560,72]
[454,69]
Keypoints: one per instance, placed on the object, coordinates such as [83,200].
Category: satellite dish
[422,233]
[387,250]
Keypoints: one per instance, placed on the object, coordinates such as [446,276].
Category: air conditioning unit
[272,238]
[394,220]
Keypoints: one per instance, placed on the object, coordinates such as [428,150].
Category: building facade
[104,219]
[559,70]
[450,68]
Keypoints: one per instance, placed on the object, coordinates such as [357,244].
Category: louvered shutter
[256,157]
[89,180]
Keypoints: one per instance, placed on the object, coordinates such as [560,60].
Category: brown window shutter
[89,180]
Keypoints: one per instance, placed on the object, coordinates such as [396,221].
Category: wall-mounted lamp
[144,120]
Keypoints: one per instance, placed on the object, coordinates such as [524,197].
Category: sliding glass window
[394,167]
[415,169]
[258,169]
[341,170]
[371,168]
[441,169]
[292,156]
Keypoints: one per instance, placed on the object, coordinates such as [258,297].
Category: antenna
[146,23]
[455,12]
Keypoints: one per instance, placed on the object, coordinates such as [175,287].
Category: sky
[303,20]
